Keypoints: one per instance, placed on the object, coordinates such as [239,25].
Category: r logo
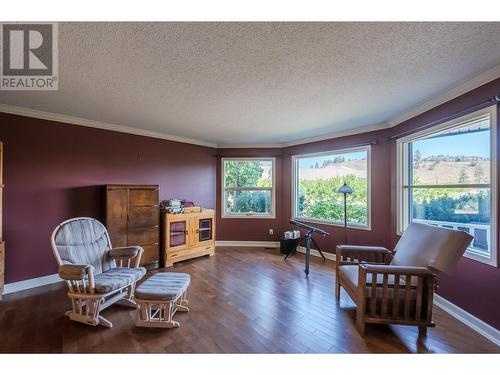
[29,58]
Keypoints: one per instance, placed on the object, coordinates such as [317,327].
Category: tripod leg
[293,251]
[317,247]
[308,252]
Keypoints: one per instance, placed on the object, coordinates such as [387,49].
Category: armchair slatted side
[398,287]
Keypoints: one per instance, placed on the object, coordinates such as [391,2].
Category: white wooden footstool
[160,297]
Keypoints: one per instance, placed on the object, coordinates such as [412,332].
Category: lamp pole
[345,189]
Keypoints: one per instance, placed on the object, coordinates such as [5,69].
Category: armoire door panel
[118,240]
[116,211]
[143,236]
[150,254]
[132,218]
[145,216]
[143,197]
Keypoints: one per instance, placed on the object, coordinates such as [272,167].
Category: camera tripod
[308,238]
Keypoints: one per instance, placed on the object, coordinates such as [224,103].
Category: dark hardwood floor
[243,300]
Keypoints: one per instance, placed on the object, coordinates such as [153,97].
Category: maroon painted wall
[250,229]
[473,286]
[55,171]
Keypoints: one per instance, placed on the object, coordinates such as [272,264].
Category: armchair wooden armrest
[79,277]
[127,253]
[75,271]
[399,270]
[348,254]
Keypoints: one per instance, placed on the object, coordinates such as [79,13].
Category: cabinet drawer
[188,251]
[143,236]
[143,197]
[143,217]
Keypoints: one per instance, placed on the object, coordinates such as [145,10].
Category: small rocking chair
[96,274]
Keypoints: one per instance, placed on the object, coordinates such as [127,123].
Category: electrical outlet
[271,231]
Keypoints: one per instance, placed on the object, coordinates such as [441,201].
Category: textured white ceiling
[243,83]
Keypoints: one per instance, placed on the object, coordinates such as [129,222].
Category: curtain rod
[334,148]
[476,107]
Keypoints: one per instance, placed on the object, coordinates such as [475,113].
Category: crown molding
[323,137]
[452,93]
[22,111]
[339,134]
[250,145]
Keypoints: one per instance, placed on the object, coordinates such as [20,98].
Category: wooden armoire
[2,244]
[133,219]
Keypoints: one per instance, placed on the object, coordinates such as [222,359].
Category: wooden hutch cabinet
[133,218]
[187,235]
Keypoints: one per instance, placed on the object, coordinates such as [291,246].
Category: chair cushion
[163,286]
[425,245]
[116,278]
[350,274]
[84,241]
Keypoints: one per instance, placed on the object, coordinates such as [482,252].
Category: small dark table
[288,245]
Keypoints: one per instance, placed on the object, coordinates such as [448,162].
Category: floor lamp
[345,189]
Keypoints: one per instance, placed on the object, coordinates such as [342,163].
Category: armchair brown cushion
[425,245]
[350,274]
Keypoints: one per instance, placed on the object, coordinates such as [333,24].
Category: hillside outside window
[447,178]
[316,179]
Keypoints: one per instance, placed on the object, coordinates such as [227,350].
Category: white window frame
[249,215]
[295,182]
[401,175]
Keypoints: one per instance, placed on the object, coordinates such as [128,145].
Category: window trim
[402,154]
[336,151]
[224,213]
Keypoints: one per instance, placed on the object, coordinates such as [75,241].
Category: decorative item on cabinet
[133,218]
[187,235]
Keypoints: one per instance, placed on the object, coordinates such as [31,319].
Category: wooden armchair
[398,288]
[97,275]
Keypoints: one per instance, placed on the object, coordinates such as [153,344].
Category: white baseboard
[31,283]
[248,243]
[491,333]
[314,252]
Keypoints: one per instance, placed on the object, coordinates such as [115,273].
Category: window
[248,187]
[316,178]
[447,178]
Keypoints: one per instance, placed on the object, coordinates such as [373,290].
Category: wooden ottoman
[160,297]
